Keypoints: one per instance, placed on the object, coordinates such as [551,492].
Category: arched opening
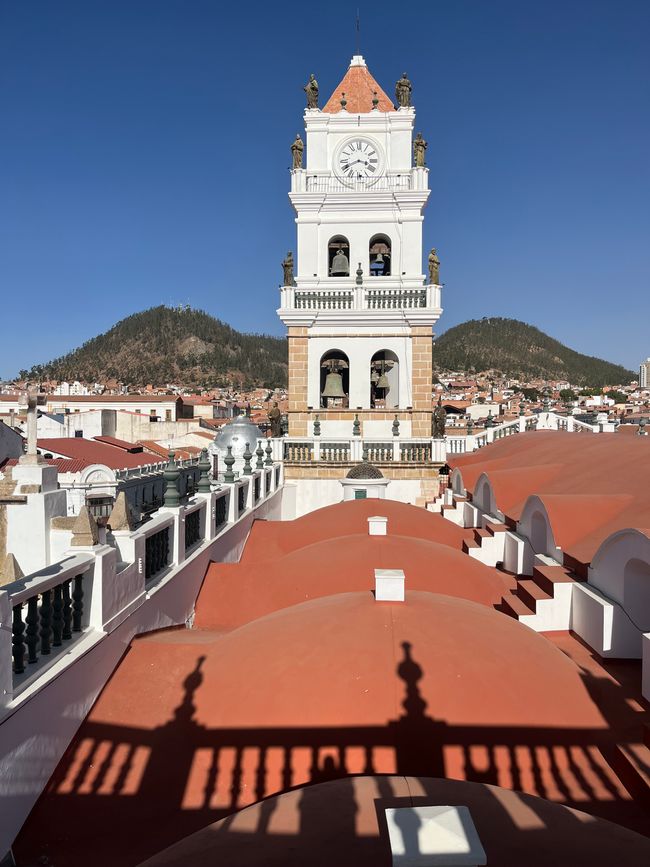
[380,256]
[384,379]
[338,257]
[334,380]
[636,592]
[538,533]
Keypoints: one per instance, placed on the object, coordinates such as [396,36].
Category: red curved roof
[271,539]
[332,661]
[337,822]
[236,594]
[600,482]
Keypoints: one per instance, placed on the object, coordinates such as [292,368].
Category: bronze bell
[383,382]
[333,385]
[374,377]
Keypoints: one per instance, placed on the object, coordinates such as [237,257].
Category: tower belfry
[361,312]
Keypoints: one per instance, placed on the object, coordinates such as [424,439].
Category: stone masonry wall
[297,411]
[422,376]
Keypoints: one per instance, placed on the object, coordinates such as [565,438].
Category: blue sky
[144,153]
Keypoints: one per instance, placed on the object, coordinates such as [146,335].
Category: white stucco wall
[35,732]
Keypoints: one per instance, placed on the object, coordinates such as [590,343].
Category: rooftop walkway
[295,675]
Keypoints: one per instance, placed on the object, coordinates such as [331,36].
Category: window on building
[79,434]
[384,379]
[338,257]
[360,494]
[379,254]
[168,415]
[334,380]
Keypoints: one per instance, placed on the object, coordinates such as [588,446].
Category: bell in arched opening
[383,382]
[340,264]
[333,385]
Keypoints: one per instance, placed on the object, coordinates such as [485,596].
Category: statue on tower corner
[434,267]
[297,149]
[311,89]
[438,421]
[287,268]
[275,418]
[403,90]
[419,148]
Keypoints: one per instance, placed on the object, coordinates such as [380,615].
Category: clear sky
[144,153]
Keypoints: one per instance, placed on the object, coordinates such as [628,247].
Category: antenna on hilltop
[358,33]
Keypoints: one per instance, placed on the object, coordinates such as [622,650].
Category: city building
[644,374]
[364,640]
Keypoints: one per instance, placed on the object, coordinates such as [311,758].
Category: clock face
[358,160]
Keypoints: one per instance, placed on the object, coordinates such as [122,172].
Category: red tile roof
[359,87]
[119,444]
[590,484]
[94,452]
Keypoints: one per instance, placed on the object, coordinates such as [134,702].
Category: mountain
[178,344]
[520,351]
[172,344]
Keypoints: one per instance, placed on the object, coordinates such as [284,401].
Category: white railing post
[277,447]
[316,452]
[396,450]
[356,449]
[438,451]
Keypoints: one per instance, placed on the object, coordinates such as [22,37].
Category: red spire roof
[359,87]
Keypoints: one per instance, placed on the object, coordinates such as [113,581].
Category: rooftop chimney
[389,585]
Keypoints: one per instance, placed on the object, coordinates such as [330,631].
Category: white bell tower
[361,312]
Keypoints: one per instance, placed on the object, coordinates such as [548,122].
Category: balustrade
[157,550]
[394,299]
[335,452]
[192,528]
[415,452]
[378,452]
[45,620]
[220,511]
[241,499]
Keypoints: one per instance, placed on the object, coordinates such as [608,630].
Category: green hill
[521,351]
[178,344]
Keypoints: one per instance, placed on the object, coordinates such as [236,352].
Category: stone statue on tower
[275,419]
[438,421]
[297,149]
[403,90]
[419,148]
[287,269]
[434,267]
[311,89]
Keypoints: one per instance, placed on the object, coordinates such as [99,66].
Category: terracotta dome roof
[336,822]
[365,470]
[332,661]
[232,593]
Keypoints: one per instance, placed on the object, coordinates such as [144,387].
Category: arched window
[334,380]
[380,253]
[338,257]
[384,379]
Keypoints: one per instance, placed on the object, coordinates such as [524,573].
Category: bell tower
[359,309]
